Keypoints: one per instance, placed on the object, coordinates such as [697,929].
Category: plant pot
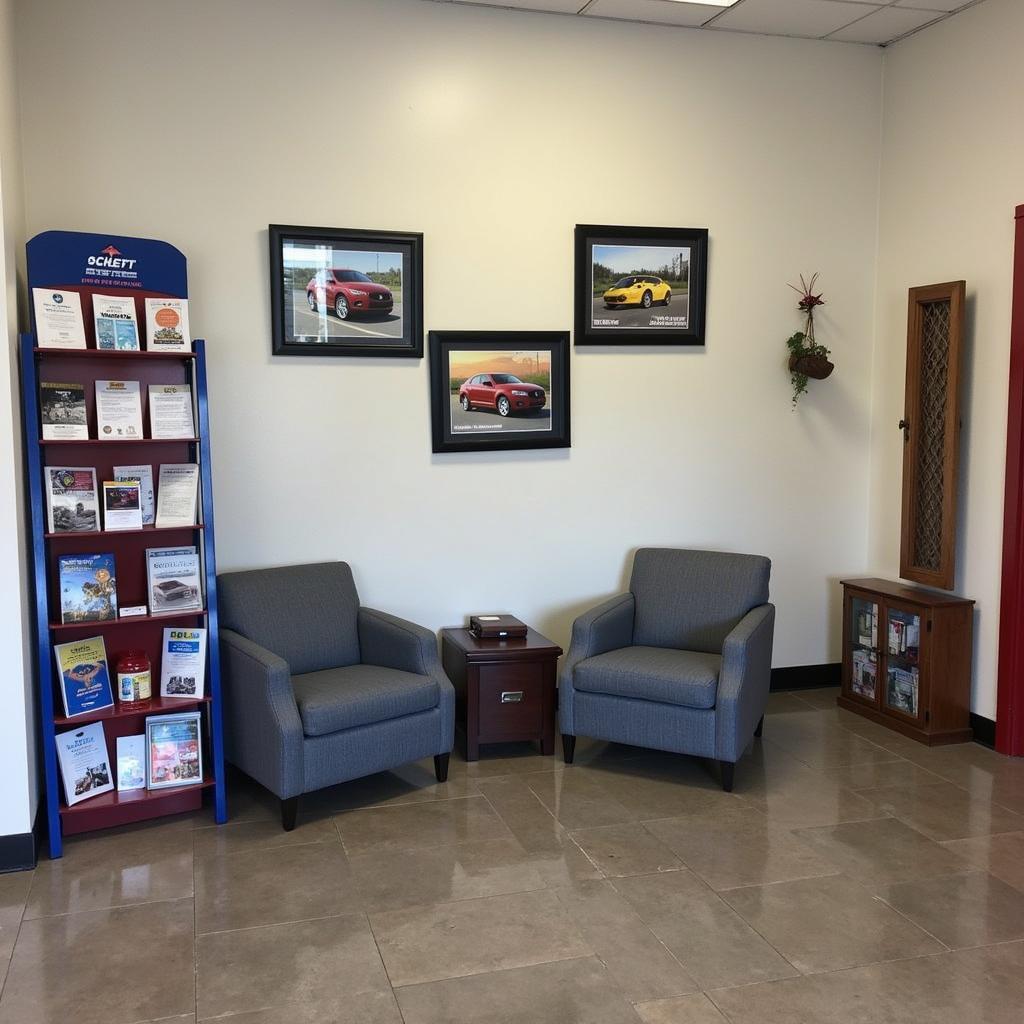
[817,367]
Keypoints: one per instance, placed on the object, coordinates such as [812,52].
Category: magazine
[84,675]
[902,691]
[174,750]
[71,501]
[62,410]
[116,326]
[88,588]
[118,410]
[84,763]
[173,579]
[183,662]
[170,411]
[176,494]
[122,505]
[144,475]
[167,325]
[131,762]
[59,322]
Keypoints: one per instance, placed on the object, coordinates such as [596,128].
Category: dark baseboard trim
[984,730]
[18,852]
[806,677]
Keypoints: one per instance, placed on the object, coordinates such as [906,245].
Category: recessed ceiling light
[708,3]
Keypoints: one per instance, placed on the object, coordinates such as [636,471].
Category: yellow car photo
[637,290]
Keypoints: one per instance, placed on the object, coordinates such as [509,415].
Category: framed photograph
[174,750]
[498,391]
[337,292]
[640,286]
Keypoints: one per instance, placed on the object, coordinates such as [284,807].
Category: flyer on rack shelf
[170,411]
[167,325]
[176,494]
[84,763]
[118,410]
[72,505]
[122,505]
[183,662]
[85,679]
[59,322]
[62,410]
[144,475]
[116,326]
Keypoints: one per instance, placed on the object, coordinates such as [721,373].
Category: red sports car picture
[505,393]
[346,292]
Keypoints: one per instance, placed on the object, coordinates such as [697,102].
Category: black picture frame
[624,324]
[538,355]
[314,326]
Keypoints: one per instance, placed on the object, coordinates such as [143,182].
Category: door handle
[904,425]
[511,696]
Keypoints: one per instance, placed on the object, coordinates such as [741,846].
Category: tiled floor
[853,876]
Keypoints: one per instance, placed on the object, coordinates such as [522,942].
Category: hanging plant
[807,359]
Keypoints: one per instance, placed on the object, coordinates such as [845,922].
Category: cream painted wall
[17,723]
[488,130]
[952,174]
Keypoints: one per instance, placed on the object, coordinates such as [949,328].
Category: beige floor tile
[820,743]
[420,825]
[626,850]
[103,967]
[637,961]
[473,937]
[500,759]
[412,783]
[808,799]
[521,810]
[396,879]
[902,774]
[560,861]
[271,886]
[787,703]
[744,848]
[880,851]
[715,945]
[943,811]
[820,698]
[263,835]
[139,865]
[827,924]
[972,909]
[663,786]
[578,800]
[692,1009]
[1000,855]
[14,890]
[556,993]
[326,970]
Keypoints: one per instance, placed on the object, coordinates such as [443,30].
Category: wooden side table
[504,689]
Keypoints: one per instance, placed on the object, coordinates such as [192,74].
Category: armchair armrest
[744,681]
[264,734]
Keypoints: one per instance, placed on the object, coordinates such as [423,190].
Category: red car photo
[503,392]
[344,292]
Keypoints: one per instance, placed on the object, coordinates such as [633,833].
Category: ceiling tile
[559,6]
[886,25]
[665,12]
[791,17]
[935,5]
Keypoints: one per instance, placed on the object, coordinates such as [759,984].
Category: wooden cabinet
[907,659]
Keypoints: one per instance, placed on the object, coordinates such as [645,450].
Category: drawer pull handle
[511,696]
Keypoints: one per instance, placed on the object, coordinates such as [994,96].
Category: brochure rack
[74,261]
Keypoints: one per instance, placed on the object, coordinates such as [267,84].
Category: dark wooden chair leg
[728,771]
[289,811]
[441,766]
[760,728]
[568,747]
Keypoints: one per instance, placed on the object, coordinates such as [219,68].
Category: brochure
[59,322]
[176,494]
[84,763]
[118,410]
[167,325]
[131,762]
[85,678]
[62,408]
[183,663]
[170,411]
[174,749]
[116,326]
[144,475]
[88,588]
[71,502]
[122,505]
[174,581]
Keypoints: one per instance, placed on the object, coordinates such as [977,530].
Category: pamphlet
[122,505]
[183,662]
[59,322]
[144,475]
[88,588]
[84,763]
[167,325]
[170,411]
[118,410]
[176,494]
[85,678]
[62,409]
[116,326]
[71,502]
[175,751]
[174,580]
[131,762]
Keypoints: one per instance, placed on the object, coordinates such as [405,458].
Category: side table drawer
[511,702]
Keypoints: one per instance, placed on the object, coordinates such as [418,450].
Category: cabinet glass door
[863,633]
[902,662]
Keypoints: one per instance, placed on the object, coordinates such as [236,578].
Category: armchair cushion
[335,699]
[685,678]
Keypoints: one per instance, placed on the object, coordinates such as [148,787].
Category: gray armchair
[318,690]
[682,662]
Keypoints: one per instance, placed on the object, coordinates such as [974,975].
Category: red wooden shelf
[104,353]
[128,620]
[157,706]
[126,441]
[78,534]
[114,808]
